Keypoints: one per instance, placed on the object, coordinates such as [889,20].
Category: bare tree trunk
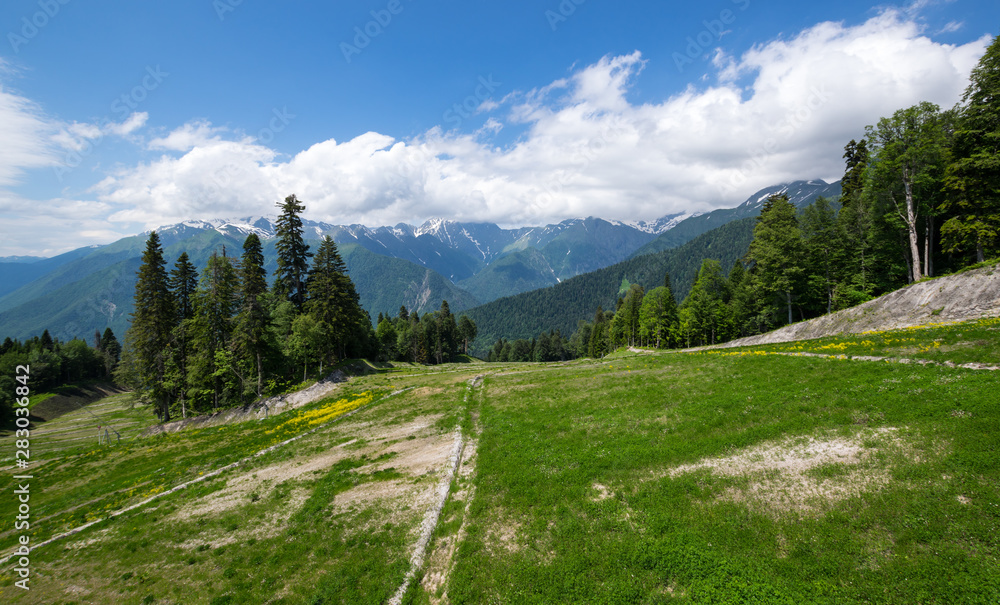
[260,374]
[928,246]
[911,226]
[788,297]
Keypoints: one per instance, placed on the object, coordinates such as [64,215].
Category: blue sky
[119,117]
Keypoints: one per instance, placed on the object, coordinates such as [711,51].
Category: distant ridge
[800,193]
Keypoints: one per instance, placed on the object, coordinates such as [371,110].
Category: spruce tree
[111,350]
[293,253]
[152,323]
[856,158]
[47,343]
[214,306]
[333,301]
[824,246]
[467,332]
[183,282]
[252,323]
[446,341]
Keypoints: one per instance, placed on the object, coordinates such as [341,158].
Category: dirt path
[433,514]
[441,560]
[902,360]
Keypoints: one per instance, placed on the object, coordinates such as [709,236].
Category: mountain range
[468,264]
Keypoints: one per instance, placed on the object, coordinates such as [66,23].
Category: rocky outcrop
[973,294]
[257,410]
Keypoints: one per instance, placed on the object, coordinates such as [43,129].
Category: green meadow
[715,476]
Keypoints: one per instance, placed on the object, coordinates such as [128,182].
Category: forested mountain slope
[560,307]
[800,193]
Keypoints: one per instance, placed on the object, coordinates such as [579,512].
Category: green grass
[723,476]
[575,502]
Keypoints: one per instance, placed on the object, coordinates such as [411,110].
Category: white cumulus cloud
[586,150]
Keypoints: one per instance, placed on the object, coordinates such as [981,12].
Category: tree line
[200,343]
[435,338]
[54,363]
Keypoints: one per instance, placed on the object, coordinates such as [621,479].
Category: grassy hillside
[726,476]
[560,307]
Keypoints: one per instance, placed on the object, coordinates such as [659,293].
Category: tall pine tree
[777,251]
[215,306]
[252,322]
[293,253]
[153,321]
[183,283]
[333,301]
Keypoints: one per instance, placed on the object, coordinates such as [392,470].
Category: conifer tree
[111,350]
[467,331]
[856,157]
[598,335]
[334,302]
[250,335]
[183,283]
[152,323]
[293,253]
[446,337]
[214,306]
[47,343]
[824,246]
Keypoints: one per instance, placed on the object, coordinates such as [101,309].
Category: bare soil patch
[807,475]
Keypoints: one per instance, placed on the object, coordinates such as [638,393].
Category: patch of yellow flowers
[325,413]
